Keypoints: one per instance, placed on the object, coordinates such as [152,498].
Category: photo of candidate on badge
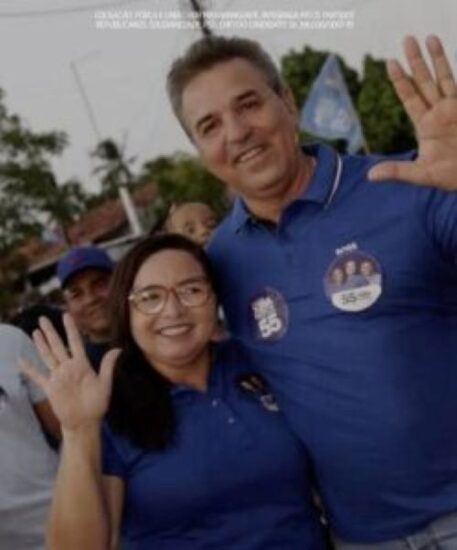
[353,281]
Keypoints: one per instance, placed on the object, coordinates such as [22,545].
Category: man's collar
[240,215]
[322,181]
[320,189]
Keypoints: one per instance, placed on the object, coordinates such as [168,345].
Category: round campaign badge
[353,281]
[269,314]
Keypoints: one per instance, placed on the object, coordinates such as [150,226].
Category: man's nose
[203,233]
[237,128]
[93,296]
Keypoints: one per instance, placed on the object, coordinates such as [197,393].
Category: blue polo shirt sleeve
[439,213]
[112,461]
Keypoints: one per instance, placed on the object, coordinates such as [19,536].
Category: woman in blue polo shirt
[193,452]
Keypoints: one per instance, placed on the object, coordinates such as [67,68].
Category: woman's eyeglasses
[152,299]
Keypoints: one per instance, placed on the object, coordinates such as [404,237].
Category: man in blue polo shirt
[365,372]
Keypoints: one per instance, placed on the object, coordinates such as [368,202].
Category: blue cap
[80,258]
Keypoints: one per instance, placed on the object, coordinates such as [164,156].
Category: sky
[121,50]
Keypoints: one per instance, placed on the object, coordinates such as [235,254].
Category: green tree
[385,122]
[31,196]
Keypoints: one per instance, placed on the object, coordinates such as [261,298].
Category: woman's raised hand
[78,395]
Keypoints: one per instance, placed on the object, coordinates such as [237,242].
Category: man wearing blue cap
[84,274]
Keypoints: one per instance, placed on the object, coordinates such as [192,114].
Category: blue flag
[328,111]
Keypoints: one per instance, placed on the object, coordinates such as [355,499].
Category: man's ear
[289,100]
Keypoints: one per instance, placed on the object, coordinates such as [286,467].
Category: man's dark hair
[210,51]
[141,407]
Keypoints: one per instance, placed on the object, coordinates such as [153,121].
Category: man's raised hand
[429,96]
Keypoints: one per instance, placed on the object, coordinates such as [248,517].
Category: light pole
[199,10]
[124,194]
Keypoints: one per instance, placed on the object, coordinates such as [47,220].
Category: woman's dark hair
[141,406]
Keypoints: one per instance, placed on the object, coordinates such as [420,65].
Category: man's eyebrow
[100,275]
[203,120]
[246,95]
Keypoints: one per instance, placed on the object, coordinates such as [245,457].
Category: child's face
[194,220]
